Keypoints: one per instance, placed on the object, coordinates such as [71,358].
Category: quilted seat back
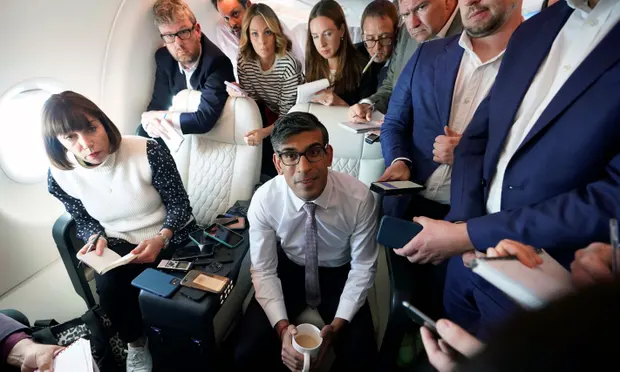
[218,168]
[352,154]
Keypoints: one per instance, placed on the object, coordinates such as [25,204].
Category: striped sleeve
[291,78]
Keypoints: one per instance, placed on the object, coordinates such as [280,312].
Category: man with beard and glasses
[312,243]
[228,30]
[432,105]
[188,61]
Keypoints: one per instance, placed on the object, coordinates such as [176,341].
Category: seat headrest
[239,116]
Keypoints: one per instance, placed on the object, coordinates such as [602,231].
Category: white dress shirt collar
[322,201]
[465,43]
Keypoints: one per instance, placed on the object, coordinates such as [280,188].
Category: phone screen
[224,235]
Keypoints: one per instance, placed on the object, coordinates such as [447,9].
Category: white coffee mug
[308,342]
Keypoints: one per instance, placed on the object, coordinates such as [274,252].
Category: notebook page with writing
[76,357]
[305,92]
[106,262]
[530,287]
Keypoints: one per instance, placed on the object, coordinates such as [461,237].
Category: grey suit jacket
[405,47]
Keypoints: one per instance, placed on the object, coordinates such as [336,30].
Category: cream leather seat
[217,169]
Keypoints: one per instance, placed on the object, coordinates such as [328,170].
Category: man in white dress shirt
[228,30]
[312,244]
[540,161]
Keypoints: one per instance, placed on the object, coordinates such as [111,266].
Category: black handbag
[108,350]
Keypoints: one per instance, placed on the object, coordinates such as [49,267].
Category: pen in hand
[92,245]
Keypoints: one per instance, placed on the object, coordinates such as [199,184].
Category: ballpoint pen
[369,62]
[91,246]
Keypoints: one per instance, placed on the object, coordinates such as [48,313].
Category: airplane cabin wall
[101,49]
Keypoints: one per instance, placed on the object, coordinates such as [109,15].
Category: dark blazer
[420,106]
[213,69]
[365,88]
[563,184]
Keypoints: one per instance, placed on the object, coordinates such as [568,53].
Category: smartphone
[193,293]
[205,281]
[396,187]
[395,232]
[424,321]
[174,265]
[239,225]
[224,235]
[205,244]
[157,282]
[226,220]
[371,138]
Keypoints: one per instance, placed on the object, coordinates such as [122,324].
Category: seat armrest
[68,244]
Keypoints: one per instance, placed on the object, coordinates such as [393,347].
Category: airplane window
[22,155]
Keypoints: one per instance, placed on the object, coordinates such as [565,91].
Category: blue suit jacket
[213,69]
[420,106]
[563,184]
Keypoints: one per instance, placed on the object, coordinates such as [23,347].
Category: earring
[342,38]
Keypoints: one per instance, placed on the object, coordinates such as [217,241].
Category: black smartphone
[224,235]
[395,187]
[226,220]
[191,252]
[395,232]
[424,321]
[371,138]
[204,242]
[193,293]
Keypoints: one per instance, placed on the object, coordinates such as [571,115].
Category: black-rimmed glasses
[313,154]
[183,35]
[385,41]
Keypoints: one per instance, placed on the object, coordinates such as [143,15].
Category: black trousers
[119,299]
[256,344]
[430,278]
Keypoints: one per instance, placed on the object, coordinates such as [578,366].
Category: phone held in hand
[395,187]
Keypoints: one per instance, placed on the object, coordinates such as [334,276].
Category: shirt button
[467,100]
[566,67]
[593,22]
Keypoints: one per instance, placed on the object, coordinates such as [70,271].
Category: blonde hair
[283,43]
[170,11]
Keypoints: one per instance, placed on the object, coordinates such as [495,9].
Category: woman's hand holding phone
[438,351]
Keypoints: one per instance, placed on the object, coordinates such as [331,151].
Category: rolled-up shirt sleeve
[264,256]
[364,255]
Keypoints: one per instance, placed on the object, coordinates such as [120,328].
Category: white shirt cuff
[347,309]
[276,311]
[401,158]
[366,101]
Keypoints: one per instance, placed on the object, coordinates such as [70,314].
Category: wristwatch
[164,238]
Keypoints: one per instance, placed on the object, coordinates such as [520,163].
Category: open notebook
[530,287]
[76,357]
[305,92]
[107,261]
[374,123]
